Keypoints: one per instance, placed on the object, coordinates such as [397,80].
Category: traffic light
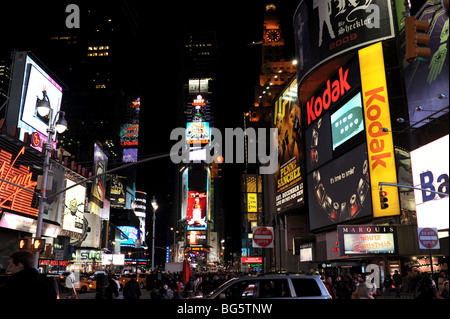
[413,38]
[25,243]
[219,166]
[216,167]
[383,200]
[38,244]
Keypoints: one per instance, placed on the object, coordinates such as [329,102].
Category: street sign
[428,238]
[263,237]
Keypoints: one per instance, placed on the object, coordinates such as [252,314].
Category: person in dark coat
[112,290]
[26,283]
[131,290]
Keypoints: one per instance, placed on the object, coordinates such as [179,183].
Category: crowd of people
[171,286]
[26,281]
[360,286]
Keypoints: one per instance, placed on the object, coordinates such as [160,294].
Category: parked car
[273,286]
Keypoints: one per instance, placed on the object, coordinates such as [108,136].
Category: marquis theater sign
[13,197]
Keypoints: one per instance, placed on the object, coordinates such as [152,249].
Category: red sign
[251,260]
[332,93]
[428,238]
[35,139]
[263,237]
[13,197]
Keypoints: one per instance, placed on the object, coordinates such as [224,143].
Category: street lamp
[155,207]
[44,109]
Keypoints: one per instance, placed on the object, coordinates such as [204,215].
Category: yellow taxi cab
[87,284]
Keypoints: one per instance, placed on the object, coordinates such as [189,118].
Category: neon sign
[13,197]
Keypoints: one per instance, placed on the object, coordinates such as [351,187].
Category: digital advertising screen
[29,80]
[133,235]
[340,190]
[197,133]
[347,121]
[196,238]
[197,210]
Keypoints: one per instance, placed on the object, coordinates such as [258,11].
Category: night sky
[149,61]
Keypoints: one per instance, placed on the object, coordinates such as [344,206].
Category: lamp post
[155,207]
[44,109]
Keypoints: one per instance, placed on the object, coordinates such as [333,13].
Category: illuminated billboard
[196,238]
[132,234]
[430,171]
[12,197]
[197,210]
[325,29]
[29,80]
[362,239]
[197,133]
[347,121]
[377,118]
[340,190]
[98,191]
[426,80]
[290,174]
[73,219]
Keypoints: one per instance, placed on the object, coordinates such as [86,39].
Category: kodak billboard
[380,146]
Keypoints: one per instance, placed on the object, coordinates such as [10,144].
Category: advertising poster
[425,80]
[340,190]
[357,240]
[325,29]
[73,219]
[196,211]
[99,185]
[290,173]
[380,145]
[91,237]
[117,190]
[430,171]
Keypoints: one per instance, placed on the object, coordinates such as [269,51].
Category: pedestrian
[348,286]
[70,285]
[189,290]
[131,290]
[112,290]
[26,283]
[445,293]
[370,283]
[339,288]
[387,285]
[397,280]
[427,289]
[362,292]
[329,285]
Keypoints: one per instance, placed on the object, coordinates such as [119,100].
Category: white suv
[278,286]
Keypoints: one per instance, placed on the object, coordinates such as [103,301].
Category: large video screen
[133,235]
[347,121]
[36,80]
[196,210]
[341,190]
